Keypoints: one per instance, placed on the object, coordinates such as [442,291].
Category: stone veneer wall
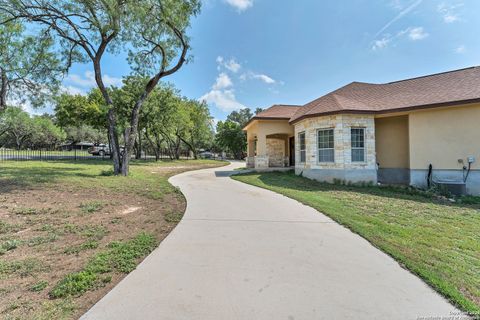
[276,152]
[342,168]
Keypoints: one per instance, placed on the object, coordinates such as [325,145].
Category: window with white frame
[303,150]
[358,144]
[326,146]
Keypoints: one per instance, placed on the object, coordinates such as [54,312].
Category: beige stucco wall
[262,128]
[391,142]
[442,136]
[342,141]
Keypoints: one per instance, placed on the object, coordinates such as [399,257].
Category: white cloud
[417,33]
[73,90]
[223,99]
[222,94]
[449,18]
[449,12]
[397,4]
[413,33]
[460,49]
[223,81]
[264,78]
[240,5]
[381,43]
[231,64]
[257,76]
[400,15]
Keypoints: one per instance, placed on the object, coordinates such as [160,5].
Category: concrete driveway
[246,253]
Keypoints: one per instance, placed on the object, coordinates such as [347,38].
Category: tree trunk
[155,146]
[138,147]
[3,90]
[114,146]
[190,146]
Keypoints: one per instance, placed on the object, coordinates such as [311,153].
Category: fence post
[75,152]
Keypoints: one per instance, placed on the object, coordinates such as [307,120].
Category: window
[326,150]
[358,144]
[301,143]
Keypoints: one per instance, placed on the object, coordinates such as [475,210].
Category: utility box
[457,188]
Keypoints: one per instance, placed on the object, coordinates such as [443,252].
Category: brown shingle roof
[277,111]
[434,90]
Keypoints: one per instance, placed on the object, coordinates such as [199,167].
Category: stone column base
[250,162]
[261,162]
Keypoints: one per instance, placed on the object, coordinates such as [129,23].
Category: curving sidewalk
[241,252]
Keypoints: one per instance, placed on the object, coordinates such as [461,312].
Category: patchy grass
[88,245]
[173,217]
[434,238]
[9,245]
[92,206]
[119,257]
[23,268]
[39,286]
[69,231]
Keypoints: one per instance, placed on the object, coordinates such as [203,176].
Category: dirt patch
[51,231]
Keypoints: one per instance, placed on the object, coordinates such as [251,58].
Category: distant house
[389,133]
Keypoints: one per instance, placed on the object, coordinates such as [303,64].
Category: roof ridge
[431,75]
[285,105]
[334,96]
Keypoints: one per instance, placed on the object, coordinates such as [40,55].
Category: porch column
[251,153]
[261,160]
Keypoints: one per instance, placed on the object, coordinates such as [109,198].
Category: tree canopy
[28,67]
[151,31]
[19,130]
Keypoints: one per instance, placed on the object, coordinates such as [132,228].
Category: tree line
[168,122]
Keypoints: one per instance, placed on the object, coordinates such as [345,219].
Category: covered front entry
[270,144]
[392,148]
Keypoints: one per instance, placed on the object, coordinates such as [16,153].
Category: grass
[437,240]
[39,286]
[88,245]
[120,257]
[70,230]
[23,268]
[92,206]
[173,217]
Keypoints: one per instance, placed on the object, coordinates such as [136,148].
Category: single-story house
[413,131]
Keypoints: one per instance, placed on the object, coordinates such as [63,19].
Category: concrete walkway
[246,253]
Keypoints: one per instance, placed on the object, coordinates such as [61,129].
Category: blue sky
[255,53]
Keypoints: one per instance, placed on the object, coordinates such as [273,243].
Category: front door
[291,147]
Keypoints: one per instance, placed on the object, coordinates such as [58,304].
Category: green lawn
[70,231]
[434,238]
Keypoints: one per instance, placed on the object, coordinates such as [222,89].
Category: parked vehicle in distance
[206,155]
[102,150]
[99,150]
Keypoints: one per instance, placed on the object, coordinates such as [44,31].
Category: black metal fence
[74,155]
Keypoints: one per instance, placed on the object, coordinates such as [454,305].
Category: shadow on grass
[24,175]
[291,181]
